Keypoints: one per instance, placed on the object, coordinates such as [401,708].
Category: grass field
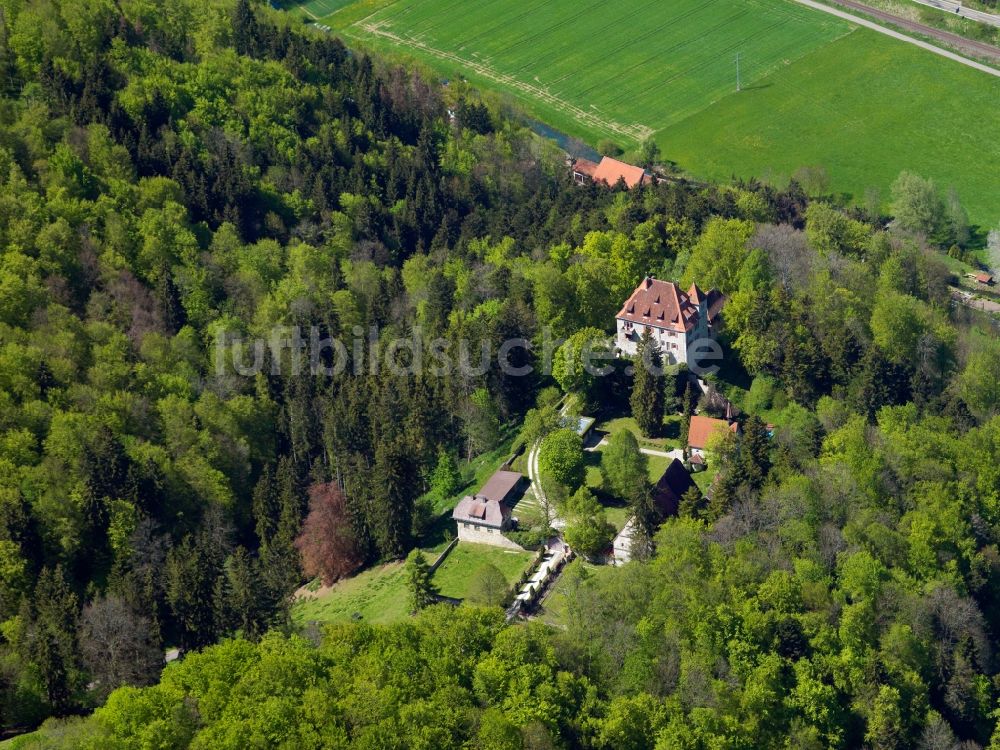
[316,9]
[816,90]
[457,574]
[378,595]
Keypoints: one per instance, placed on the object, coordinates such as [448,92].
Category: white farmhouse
[482,518]
[675,318]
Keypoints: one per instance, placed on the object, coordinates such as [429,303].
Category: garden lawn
[705,478]
[816,91]
[378,595]
[594,477]
[617,424]
[457,574]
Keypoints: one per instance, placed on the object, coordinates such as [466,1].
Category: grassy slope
[862,105]
[457,573]
[379,595]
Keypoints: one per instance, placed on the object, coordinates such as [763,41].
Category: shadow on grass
[439,532]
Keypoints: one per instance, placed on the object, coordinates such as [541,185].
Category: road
[960,42]
[948,6]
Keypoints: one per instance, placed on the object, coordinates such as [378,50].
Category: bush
[532,538]
[761,395]
[607,147]
[561,457]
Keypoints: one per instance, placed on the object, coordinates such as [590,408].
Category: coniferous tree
[688,411]
[246,31]
[692,503]
[418,580]
[647,389]
[392,508]
[754,454]
[52,617]
[446,479]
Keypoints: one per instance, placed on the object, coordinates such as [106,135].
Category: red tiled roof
[984,278]
[610,170]
[585,166]
[703,428]
[661,304]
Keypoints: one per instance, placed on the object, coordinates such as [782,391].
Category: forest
[176,175]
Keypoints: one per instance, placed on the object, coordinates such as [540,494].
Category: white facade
[622,545]
[673,344]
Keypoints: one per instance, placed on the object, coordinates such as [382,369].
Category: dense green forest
[179,174]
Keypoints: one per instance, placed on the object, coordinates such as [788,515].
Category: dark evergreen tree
[647,390]
[246,31]
[418,580]
[395,486]
[754,455]
[52,618]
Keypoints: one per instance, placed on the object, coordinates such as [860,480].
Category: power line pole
[738,71]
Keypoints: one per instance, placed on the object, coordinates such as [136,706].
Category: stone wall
[468,532]
[440,559]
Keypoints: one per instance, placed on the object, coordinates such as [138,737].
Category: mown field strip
[644,66]
[635,131]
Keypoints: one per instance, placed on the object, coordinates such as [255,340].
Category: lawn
[875,106]
[378,595]
[667,442]
[457,574]
[705,478]
[815,89]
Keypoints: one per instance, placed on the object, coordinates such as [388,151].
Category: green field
[317,9]
[457,573]
[378,595]
[815,90]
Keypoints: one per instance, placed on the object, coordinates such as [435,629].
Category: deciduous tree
[326,542]
[561,457]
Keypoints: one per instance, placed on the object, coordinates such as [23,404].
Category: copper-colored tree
[326,542]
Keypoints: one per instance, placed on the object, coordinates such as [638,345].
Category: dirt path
[959,42]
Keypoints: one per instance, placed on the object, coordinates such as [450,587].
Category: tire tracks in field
[635,131]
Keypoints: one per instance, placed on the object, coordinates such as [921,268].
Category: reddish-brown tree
[326,541]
